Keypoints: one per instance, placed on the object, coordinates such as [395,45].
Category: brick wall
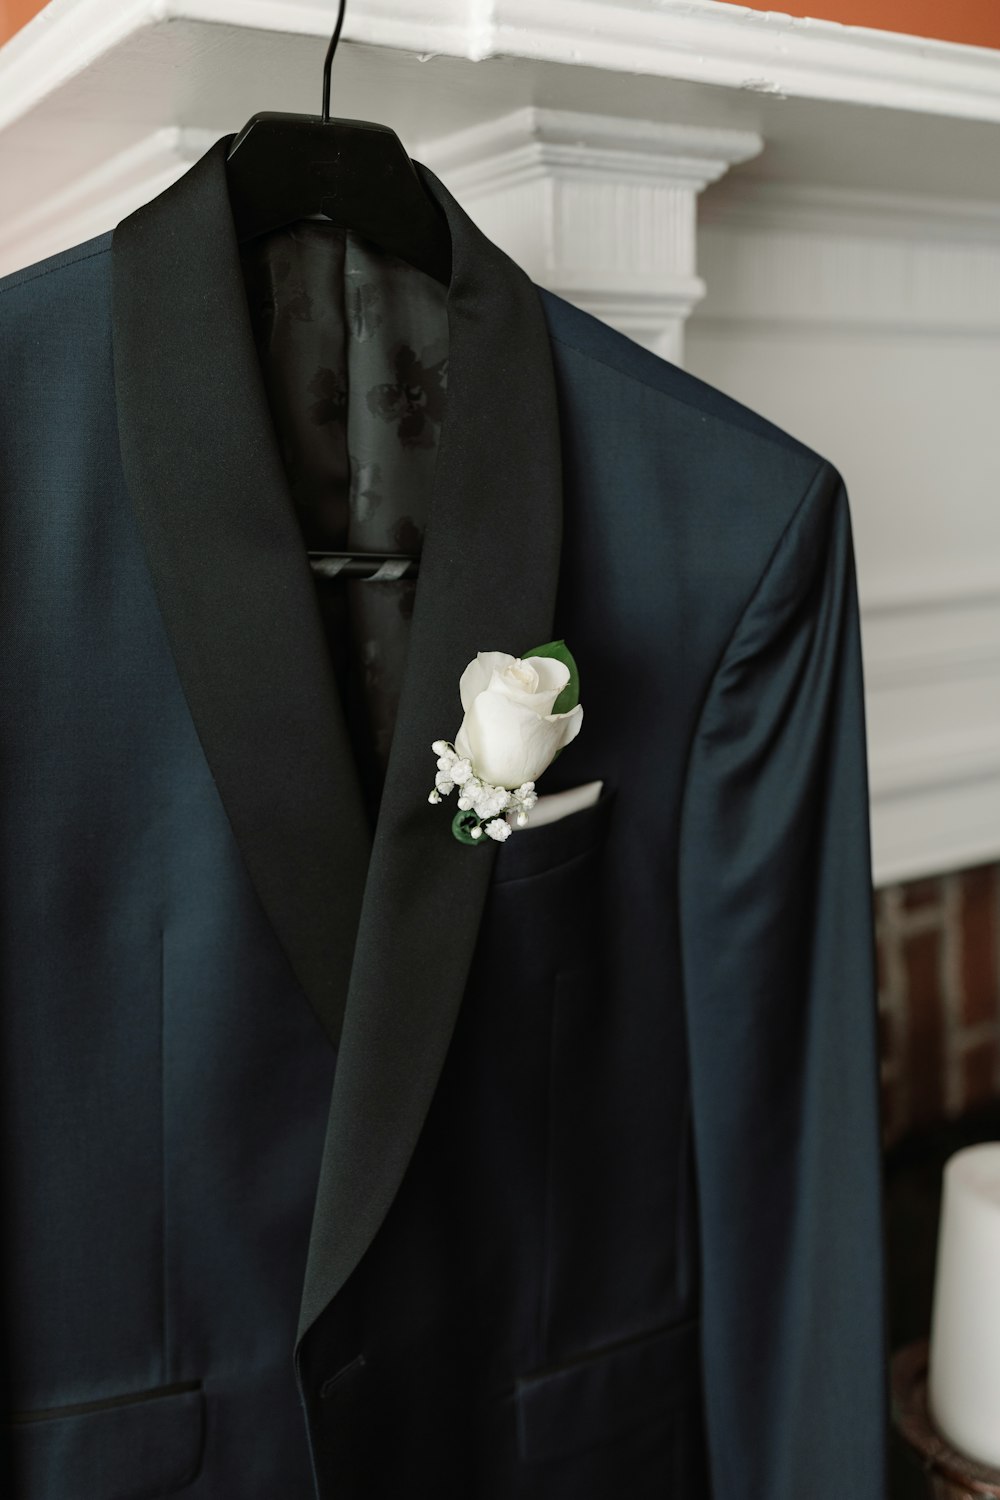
[938,945]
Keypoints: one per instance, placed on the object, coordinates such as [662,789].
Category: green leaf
[461,823]
[570,695]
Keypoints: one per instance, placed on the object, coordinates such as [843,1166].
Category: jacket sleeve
[780,989]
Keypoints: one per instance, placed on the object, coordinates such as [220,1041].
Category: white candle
[963,1379]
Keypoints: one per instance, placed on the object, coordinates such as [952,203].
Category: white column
[599,209]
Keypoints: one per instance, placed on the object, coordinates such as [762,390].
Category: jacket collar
[359,916]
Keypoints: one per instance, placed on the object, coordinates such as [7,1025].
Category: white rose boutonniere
[520,712]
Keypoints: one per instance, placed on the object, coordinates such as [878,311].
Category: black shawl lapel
[488,578]
[391,922]
[231,574]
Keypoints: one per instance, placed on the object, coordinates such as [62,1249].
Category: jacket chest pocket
[531,853]
[546,897]
[544,911]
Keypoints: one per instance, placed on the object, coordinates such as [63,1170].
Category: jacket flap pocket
[128,1448]
[603,1394]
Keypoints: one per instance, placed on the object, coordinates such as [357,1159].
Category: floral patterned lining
[353,350]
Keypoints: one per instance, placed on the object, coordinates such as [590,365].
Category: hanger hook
[329,59]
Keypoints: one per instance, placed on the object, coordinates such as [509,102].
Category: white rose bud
[509,731]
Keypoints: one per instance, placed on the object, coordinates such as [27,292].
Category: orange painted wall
[14,13]
[975,21]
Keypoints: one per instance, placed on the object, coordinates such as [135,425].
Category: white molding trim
[817,208]
[596,208]
[762,328]
[766,52]
[97,200]
[62,40]
[931,656]
[700,41]
[801,260]
[520,146]
[935,592]
[942,762]
[937,826]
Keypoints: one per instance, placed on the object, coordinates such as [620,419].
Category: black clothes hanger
[282,167]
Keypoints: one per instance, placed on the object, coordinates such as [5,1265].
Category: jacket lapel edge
[230,573]
[488,581]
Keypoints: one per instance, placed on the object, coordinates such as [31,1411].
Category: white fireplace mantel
[806,214]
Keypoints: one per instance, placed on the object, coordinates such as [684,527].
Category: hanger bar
[376,567]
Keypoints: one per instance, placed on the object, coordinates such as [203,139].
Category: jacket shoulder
[43,279]
[54,328]
[595,341]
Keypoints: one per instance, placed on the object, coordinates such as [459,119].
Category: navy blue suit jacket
[348,1161]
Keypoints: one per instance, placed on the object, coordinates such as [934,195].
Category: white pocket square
[555,805]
